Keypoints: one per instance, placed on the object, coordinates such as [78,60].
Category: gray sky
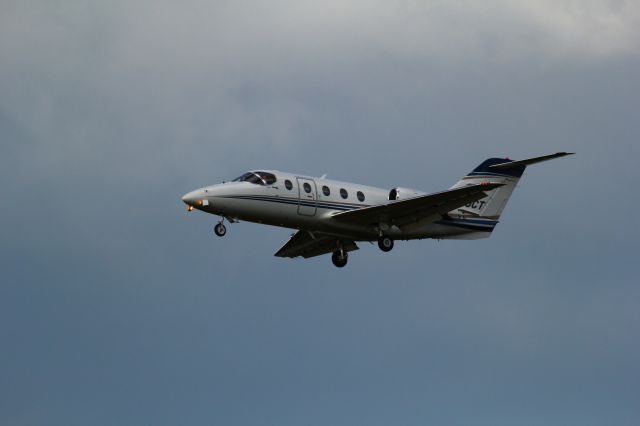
[118,307]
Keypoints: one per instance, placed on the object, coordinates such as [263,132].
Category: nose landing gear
[220,230]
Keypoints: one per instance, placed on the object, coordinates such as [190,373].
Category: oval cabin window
[343,193]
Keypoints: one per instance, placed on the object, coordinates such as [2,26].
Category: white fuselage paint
[295,208]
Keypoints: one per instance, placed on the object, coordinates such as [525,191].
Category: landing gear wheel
[385,244]
[220,230]
[339,259]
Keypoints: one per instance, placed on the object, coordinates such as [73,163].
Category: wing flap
[405,211]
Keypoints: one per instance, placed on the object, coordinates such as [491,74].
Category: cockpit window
[268,178]
[249,177]
[259,178]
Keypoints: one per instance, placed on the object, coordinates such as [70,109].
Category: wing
[307,244]
[406,211]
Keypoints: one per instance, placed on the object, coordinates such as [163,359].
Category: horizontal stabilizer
[529,161]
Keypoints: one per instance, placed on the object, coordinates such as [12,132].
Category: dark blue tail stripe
[484,168]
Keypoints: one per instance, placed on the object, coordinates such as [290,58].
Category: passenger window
[360,196]
[288,184]
[307,187]
[326,191]
[343,193]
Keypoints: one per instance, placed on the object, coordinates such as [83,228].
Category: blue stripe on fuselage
[473,224]
[297,201]
[479,224]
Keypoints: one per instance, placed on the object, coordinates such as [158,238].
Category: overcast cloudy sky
[119,308]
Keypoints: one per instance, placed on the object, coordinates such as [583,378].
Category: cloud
[243,64]
[109,111]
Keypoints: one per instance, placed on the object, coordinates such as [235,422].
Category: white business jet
[331,216]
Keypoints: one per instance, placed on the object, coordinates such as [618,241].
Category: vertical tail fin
[489,209]
[492,206]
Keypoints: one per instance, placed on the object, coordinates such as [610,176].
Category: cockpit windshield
[258,178]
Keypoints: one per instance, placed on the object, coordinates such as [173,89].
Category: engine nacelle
[403,193]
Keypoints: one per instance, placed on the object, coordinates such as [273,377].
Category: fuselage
[309,203]
[331,216]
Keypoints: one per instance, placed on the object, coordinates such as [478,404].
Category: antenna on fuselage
[323,176]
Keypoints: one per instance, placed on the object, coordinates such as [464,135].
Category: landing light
[189,208]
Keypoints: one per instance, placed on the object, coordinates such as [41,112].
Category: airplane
[332,216]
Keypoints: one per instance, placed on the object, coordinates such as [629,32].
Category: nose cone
[190,198]
[196,199]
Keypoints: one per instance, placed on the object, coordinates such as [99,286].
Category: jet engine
[403,193]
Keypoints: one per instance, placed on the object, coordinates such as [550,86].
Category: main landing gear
[385,244]
[340,258]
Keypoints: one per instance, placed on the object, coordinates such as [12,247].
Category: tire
[220,230]
[339,260]
[385,244]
